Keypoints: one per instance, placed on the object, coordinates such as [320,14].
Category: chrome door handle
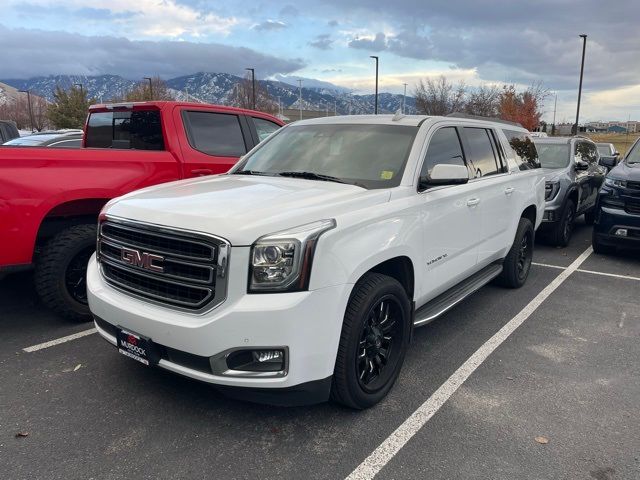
[201,171]
[472,202]
[509,190]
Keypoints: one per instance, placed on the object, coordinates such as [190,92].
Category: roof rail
[478,117]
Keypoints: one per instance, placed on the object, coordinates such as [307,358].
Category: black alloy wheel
[377,352]
[525,255]
[75,278]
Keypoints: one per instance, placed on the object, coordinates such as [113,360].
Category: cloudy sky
[478,41]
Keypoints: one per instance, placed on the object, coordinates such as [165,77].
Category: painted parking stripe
[370,467]
[58,341]
[593,272]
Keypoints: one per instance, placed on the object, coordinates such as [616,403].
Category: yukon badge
[148,261]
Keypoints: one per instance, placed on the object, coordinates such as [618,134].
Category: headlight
[281,261]
[551,190]
[613,182]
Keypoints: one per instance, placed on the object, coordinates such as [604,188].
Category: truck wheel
[61,272]
[562,233]
[374,340]
[600,248]
[590,216]
[517,263]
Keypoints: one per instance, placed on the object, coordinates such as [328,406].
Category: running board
[443,302]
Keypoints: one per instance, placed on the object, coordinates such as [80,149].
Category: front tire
[374,340]
[61,272]
[517,263]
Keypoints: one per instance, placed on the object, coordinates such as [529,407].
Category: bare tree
[243,96]
[142,91]
[17,110]
[484,101]
[39,107]
[439,96]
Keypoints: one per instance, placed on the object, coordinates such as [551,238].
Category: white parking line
[615,275]
[58,341]
[370,467]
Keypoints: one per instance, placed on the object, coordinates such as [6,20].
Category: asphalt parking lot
[567,375]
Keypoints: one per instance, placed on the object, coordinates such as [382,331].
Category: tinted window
[553,154]
[215,133]
[264,127]
[604,150]
[523,148]
[481,152]
[138,130]
[372,156]
[444,147]
[75,143]
[587,152]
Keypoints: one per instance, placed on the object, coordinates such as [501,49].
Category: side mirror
[608,162]
[581,165]
[444,174]
[616,153]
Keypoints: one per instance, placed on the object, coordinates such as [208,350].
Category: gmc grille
[186,270]
[633,207]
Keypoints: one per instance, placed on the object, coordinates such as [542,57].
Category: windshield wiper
[250,172]
[313,176]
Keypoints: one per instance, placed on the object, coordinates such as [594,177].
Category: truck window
[264,127]
[524,149]
[587,152]
[444,147]
[217,134]
[481,151]
[137,130]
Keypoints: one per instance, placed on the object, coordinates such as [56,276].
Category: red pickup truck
[50,198]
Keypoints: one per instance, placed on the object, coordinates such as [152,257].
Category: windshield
[634,154]
[604,150]
[553,155]
[371,156]
[28,141]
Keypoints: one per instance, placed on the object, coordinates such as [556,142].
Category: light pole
[584,47]
[300,96]
[79,85]
[376,97]
[404,96]
[29,105]
[553,125]
[253,87]
[335,108]
[150,88]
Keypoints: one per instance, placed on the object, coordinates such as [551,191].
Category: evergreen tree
[69,108]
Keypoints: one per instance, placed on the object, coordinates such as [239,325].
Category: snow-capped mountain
[218,88]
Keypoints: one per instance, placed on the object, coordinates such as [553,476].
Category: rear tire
[374,340]
[590,216]
[562,233]
[517,263]
[61,272]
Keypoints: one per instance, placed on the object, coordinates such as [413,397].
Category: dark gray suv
[573,178]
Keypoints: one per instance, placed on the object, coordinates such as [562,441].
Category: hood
[625,171]
[243,208]
[552,174]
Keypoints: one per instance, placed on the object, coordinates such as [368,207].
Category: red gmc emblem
[132,340]
[136,258]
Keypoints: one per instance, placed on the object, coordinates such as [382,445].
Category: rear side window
[264,127]
[523,148]
[587,152]
[444,147]
[481,151]
[217,134]
[137,130]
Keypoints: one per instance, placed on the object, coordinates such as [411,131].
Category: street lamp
[300,96]
[376,97]
[79,85]
[253,87]
[584,47]
[29,104]
[150,88]
[404,95]
[555,104]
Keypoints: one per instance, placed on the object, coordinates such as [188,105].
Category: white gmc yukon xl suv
[299,275]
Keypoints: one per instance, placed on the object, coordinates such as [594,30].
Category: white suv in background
[299,275]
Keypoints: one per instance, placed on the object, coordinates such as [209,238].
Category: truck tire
[590,216]
[517,263]
[562,233]
[373,343]
[61,271]
[600,248]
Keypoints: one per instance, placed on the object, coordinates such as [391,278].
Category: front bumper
[308,324]
[611,220]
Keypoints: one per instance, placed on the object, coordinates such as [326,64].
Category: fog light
[272,360]
[621,232]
